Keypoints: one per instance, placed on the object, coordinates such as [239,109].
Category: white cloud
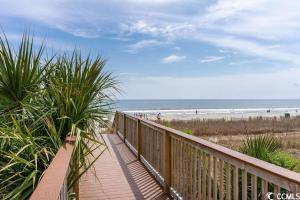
[177,48]
[133,48]
[250,25]
[226,8]
[155,2]
[50,43]
[172,59]
[252,48]
[211,59]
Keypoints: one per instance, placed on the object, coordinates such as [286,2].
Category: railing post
[167,162]
[124,127]
[139,139]
[117,122]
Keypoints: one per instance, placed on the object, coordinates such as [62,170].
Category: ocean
[211,108]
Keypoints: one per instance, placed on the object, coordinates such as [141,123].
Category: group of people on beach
[141,115]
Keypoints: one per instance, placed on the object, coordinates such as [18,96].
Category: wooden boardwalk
[120,176]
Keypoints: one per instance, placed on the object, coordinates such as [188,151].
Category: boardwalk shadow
[141,182]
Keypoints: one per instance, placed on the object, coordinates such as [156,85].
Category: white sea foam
[216,113]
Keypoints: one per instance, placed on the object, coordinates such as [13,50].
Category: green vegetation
[42,101]
[268,148]
[284,160]
[187,131]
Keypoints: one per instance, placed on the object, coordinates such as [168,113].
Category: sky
[174,49]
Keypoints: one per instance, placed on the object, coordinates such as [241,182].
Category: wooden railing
[53,185]
[192,168]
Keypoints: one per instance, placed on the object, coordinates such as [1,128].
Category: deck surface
[120,176]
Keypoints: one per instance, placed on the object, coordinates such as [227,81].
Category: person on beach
[196,112]
[158,116]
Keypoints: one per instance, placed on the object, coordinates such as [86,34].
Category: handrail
[53,184]
[218,163]
[279,171]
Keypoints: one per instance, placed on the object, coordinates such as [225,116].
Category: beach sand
[213,114]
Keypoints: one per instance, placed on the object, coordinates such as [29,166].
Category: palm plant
[21,72]
[43,102]
[260,146]
[79,90]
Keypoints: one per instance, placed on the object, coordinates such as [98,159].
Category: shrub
[260,146]
[284,160]
[187,131]
[267,148]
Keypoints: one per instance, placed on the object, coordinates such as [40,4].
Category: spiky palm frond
[260,146]
[41,103]
[79,89]
[21,72]
[24,156]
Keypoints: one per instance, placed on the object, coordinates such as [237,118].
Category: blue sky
[174,48]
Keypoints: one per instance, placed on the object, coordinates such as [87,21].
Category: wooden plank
[235,185]
[176,174]
[52,182]
[221,179]
[195,171]
[167,162]
[264,189]
[228,182]
[209,177]
[181,168]
[244,184]
[204,174]
[276,190]
[139,140]
[215,192]
[199,154]
[124,127]
[253,187]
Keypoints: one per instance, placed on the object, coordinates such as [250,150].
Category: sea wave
[217,111]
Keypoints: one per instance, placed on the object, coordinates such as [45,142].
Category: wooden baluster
[188,171]
[175,158]
[276,190]
[199,173]
[204,173]
[139,139]
[215,178]
[191,169]
[117,122]
[124,127]
[195,178]
[167,161]
[209,178]
[253,187]
[178,158]
[221,174]
[173,171]
[264,189]
[184,170]
[235,182]
[228,182]
[244,184]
